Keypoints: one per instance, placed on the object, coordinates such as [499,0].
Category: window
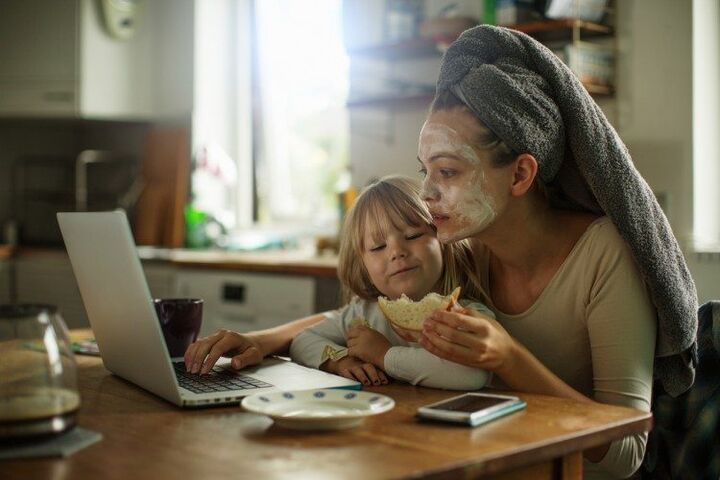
[270,129]
[302,84]
[706,124]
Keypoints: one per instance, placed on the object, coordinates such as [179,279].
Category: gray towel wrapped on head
[536,105]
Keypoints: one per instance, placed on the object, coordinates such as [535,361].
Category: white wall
[655,117]
[706,122]
[655,99]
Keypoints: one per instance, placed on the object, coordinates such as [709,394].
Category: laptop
[121,313]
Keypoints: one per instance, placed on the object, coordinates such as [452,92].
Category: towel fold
[533,102]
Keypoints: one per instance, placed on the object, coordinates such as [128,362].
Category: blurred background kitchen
[235,133]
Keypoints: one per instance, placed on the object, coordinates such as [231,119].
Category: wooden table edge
[541,451]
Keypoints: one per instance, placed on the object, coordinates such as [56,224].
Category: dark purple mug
[180,321]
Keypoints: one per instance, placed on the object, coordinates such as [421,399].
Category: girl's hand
[368,345]
[244,349]
[469,338]
[356,369]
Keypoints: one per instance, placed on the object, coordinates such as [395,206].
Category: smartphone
[471,408]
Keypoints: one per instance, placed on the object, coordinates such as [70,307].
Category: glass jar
[38,373]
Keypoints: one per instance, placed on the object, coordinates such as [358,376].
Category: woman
[518,158]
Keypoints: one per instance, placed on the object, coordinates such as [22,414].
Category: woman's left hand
[473,339]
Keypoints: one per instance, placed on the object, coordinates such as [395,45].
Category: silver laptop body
[121,313]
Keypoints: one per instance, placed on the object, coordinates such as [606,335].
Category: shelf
[542,30]
[599,90]
[562,29]
[567,30]
[424,99]
[414,48]
[396,101]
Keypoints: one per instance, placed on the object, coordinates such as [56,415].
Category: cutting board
[165,174]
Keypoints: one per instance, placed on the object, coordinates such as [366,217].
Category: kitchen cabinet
[161,279]
[48,278]
[247,301]
[58,60]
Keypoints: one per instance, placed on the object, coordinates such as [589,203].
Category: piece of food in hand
[330,353]
[360,322]
[410,315]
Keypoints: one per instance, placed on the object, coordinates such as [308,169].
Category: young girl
[389,247]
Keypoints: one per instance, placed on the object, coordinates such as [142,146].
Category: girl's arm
[417,366]
[420,367]
[411,364]
[308,346]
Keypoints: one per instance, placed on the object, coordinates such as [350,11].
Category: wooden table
[147,437]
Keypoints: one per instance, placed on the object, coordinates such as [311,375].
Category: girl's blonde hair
[397,200]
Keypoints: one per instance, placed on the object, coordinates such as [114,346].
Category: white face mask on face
[462,206]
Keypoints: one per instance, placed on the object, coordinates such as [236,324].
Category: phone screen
[469,403]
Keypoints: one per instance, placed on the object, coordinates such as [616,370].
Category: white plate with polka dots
[320,409]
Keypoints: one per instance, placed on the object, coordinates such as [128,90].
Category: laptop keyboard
[217,380]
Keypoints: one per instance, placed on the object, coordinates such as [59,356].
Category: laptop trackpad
[288,375]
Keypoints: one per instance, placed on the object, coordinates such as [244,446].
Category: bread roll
[410,315]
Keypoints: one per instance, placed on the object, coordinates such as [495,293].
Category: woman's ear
[526,168]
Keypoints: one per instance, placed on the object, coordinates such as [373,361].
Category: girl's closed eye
[413,236]
[377,248]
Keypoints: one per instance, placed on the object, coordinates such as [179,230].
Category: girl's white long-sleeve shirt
[404,361]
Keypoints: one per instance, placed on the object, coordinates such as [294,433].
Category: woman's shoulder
[601,242]
[581,226]
[603,233]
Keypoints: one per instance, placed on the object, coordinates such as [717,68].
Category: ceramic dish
[321,409]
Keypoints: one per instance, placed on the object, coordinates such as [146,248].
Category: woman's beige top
[594,326]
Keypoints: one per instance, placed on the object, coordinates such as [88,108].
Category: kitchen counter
[269,261]
[238,287]
[300,262]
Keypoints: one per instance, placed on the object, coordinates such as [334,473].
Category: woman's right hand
[469,338]
[244,349]
[414,336]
